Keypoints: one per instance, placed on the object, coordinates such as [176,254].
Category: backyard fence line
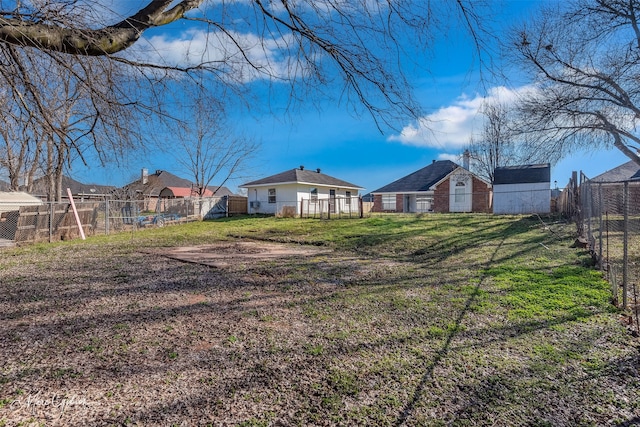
[55,221]
[608,218]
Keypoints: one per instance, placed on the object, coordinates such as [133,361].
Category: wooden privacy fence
[54,222]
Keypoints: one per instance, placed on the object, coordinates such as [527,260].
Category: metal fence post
[625,256]
[600,225]
[106,216]
[51,213]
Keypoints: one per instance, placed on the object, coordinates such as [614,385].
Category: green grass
[411,320]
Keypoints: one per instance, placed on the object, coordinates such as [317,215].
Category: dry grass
[440,320]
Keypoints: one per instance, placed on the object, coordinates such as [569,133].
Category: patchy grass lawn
[407,320]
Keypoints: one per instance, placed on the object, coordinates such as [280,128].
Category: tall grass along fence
[608,218]
[56,221]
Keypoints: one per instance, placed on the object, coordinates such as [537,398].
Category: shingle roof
[420,180]
[523,174]
[156,182]
[301,176]
[40,187]
[183,192]
[625,172]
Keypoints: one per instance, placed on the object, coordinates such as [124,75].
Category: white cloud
[238,56]
[453,157]
[452,126]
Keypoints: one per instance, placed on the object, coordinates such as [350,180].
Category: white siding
[522,198]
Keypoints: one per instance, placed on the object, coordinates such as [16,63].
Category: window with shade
[272,195]
[389,202]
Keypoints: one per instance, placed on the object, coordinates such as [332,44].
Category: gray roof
[40,187]
[420,180]
[304,175]
[625,172]
[523,174]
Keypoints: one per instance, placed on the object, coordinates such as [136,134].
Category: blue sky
[352,148]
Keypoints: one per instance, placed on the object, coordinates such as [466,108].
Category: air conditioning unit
[254,205]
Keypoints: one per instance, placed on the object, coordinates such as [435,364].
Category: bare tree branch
[81,41]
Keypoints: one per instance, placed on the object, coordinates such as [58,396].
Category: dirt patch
[224,254]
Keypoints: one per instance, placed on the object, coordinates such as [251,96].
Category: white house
[522,189]
[297,192]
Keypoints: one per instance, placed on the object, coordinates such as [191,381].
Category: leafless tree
[117,66]
[501,142]
[207,147]
[55,111]
[585,58]
[308,43]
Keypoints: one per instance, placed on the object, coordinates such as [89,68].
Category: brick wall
[441,197]
[481,201]
[377,204]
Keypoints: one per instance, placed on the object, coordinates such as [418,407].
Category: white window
[389,202]
[314,194]
[424,203]
[272,195]
[348,197]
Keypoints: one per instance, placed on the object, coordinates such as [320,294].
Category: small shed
[10,204]
[13,200]
[524,189]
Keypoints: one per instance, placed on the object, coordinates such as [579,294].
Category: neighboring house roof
[179,187]
[41,186]
[183,192]
[301,176]
[523,174]
[367,197]
[156,182]
[11,201]
[625,172]
[220,191]
[422,179]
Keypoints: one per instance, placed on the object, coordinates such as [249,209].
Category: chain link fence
[608,219]
[57,221]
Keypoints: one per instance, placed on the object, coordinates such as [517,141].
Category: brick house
[443,186]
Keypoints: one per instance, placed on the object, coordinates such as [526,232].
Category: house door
[407,203]
[332,201]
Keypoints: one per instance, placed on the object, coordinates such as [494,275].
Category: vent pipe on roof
[301,167]
[145,176]
[318,170]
